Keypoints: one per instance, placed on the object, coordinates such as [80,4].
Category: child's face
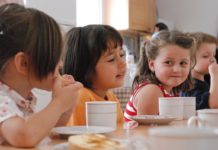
[205,55]
[171,66]
[110,70]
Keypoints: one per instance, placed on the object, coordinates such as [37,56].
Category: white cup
[189,108]
[171,106]
[205,118]
[182,138]
[101,113]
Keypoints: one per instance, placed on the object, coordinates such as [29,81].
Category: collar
[27,104]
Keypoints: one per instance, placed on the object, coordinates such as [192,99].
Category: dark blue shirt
[201,92]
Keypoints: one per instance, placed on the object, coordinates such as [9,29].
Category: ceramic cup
[205,118]
[171,106]
[182,138]
[101,113]
[189,108]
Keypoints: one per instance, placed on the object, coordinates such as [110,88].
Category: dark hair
[161,26]
[84,47]
[150,51]
[32,32]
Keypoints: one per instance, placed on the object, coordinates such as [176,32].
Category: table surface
[122,134]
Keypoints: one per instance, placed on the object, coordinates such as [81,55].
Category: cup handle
[195,121]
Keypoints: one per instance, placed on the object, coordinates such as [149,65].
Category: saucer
[153,119]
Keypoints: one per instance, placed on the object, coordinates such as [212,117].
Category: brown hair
[150,51]
[32,32]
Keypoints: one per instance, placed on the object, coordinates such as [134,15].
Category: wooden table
[120,133]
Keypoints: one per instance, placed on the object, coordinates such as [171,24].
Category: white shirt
[13,104]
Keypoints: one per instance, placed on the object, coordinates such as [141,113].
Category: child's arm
[147,100]
[28,132]
[213,98]
[64,119]
[67,79]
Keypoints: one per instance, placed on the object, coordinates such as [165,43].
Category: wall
[190,15]
[70,12]
[62,10]
[184,15]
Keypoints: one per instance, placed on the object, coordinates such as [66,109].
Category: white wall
[70,12]
[88,12]
[64,11]
[190,15]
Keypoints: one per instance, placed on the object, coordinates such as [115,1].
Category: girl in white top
[30,50]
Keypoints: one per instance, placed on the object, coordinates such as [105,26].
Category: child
[95,58]
[163,70]
[206,96]
[30,49]
[160,26]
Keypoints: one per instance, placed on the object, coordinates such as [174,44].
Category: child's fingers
[70,78]
[76,85]
[213,68]
[67,79]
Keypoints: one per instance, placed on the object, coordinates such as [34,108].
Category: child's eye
[168,62]
[205,56]
[111,60]
[184,63]
[122,55]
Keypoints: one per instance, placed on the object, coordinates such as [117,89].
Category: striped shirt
[130,106]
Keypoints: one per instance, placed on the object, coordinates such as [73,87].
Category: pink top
[13,104]
[131,108]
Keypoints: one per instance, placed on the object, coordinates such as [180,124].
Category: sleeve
[8,109]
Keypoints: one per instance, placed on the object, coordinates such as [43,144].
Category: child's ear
[21,63]
[151,65]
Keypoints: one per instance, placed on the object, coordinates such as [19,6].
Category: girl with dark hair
[30,50]
[94,56]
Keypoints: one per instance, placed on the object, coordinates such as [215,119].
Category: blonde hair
[201,38]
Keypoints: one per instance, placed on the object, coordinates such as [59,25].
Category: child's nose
[212,60]
[122,62]
[176,68]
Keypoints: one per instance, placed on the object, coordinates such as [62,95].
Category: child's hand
[66,91]
[213,70]
[67,79]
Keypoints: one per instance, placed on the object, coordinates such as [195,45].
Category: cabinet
[129,14]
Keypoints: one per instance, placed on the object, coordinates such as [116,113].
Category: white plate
[72,130]
[153,119]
